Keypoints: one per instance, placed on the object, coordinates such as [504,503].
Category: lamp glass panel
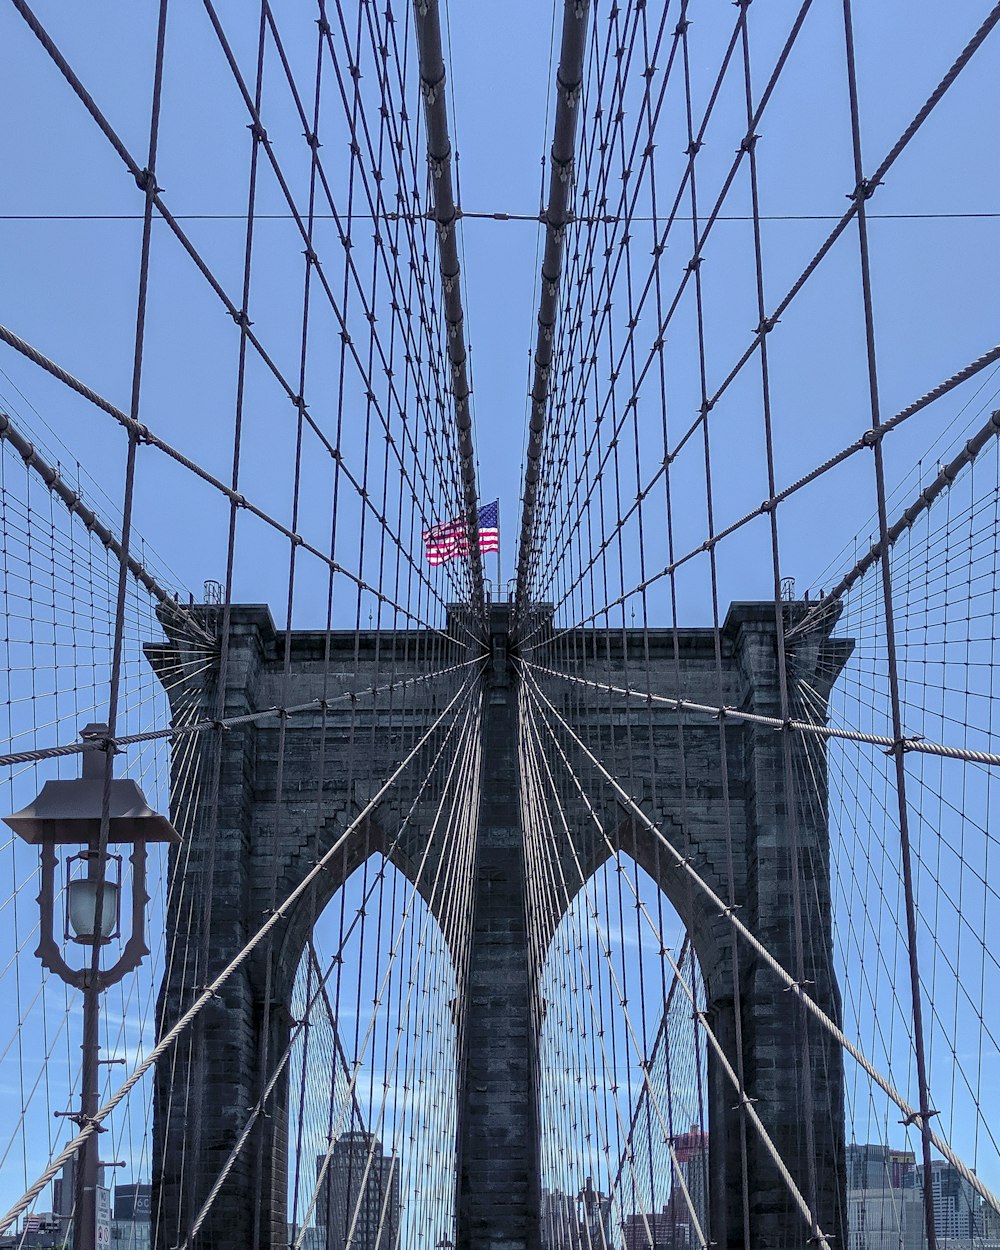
[83,908]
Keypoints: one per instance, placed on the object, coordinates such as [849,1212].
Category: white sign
[103,1237]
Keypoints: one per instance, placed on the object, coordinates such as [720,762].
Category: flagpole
[499,583]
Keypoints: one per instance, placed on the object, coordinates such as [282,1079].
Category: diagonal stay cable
[203,724]
[211,990]
[143,434]
[143,177]
[314,261]
[861,193]
[920,505]
[913,1116]
[76,504]
[865,442]
[724,712]
[320,994]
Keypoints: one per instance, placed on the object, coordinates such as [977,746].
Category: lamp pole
[90,812]
[88,1170]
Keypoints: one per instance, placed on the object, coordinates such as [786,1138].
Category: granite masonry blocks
[751,838]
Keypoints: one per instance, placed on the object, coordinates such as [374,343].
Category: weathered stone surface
[717,792]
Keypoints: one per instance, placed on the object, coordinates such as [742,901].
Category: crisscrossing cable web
[651,908]
[724,320]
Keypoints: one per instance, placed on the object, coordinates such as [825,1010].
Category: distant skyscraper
[874,1166]
[560,1228]
[133,1201]
[885,1209]
[691,1149]
[131,1228]
[956,1203]
[594,1217]
[359,1199]
[885,1218]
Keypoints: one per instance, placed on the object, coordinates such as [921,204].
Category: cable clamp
[82,1120]
[871,437]
[258,132]
[864,190]
[693,148]
[901,745]
[744,1102]
[767,324]
[145,181]
[103,742]
[915,1118]
[797,985]
[218,725]
[818,1238]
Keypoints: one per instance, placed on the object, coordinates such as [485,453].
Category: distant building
[313,1236]
[956,1203]
[134,1201]
[673,1227]
[594,1218]
[558,1220]
[886,1218]
[659,1231]
[131,1228]
[131,1234]
[989,1223]
[41,1230]
[874,1166]
[691,1149]
[885,1189]
[359,1199]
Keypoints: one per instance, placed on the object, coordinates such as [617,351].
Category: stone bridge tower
[246,848]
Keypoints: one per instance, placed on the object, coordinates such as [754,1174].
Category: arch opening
[370,1138]
[623,1073]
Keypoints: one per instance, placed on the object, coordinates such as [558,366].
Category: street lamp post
[71,813]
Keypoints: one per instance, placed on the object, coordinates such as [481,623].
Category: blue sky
[68,286]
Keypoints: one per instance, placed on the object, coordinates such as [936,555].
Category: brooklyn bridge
[537,799]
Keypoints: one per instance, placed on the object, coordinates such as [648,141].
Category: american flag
[446,541]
